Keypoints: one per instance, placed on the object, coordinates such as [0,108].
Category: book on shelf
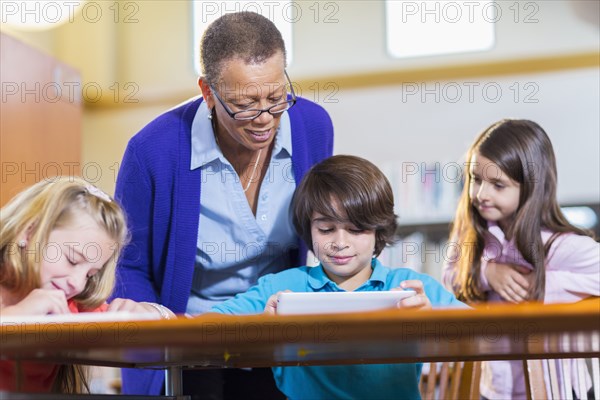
[425,192]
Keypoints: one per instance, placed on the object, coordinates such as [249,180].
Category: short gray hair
[245,35]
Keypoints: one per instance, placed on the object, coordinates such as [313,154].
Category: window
[425,28]
[43,14]
[583,217]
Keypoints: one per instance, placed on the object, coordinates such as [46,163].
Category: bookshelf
[427,196]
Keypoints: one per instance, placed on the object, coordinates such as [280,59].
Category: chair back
[562,379]
[451,380]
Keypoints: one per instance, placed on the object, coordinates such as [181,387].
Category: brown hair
[523,151]
[361,190]
[244,35]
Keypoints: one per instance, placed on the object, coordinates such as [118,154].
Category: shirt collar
[206,150]
[283,140]
[204,145]
[495,230]
[380,273]
[317,278]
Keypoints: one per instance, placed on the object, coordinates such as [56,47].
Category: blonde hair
[37,211]
[40,209]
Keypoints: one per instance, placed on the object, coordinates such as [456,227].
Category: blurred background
[409,84]
[536,60]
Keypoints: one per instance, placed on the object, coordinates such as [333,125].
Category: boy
[344,210]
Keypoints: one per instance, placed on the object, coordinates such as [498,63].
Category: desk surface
[500,332]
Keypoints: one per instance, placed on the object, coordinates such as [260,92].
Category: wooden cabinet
[40,117]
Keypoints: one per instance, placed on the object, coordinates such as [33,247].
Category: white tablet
[338,302]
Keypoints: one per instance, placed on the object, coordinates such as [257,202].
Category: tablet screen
[337,302]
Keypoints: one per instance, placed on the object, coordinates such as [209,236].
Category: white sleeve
[572,269]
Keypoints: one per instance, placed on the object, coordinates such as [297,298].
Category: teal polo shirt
[363,381]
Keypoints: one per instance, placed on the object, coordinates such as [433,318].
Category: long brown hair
[523,151]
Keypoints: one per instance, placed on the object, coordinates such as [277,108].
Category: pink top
[572,274]
[35,377]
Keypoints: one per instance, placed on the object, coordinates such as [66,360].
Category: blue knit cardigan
[161,198]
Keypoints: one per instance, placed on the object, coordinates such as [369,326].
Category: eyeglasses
[253,113]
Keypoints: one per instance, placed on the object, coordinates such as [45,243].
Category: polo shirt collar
[317,279]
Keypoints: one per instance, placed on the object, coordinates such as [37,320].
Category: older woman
[207,185]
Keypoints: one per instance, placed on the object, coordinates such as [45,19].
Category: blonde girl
[59,243]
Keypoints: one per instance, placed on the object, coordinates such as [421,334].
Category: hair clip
[93,190]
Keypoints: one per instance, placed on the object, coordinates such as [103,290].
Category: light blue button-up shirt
[235,247]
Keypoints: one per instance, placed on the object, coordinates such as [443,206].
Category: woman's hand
[511,282]
[419,301]
[140,307]
[40,302]
[271,307]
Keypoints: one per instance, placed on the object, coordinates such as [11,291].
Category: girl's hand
[140,307]
[271,307]
[419,301]
[40,302]
[511,282]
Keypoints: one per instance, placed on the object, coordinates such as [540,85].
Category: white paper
[78,317]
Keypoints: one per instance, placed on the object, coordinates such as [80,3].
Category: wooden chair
[581,369]
[453,380]
[559,373]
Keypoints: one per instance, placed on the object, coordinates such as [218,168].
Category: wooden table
[527,331]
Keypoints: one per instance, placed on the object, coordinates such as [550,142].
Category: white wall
[356,42]
[437,120]
[412,123]
[150,42]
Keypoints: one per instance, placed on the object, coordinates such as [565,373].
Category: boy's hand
[271,307]
[419,301]
[511,282]
[40,302]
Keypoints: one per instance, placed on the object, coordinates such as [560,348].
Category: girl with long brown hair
[510,240]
